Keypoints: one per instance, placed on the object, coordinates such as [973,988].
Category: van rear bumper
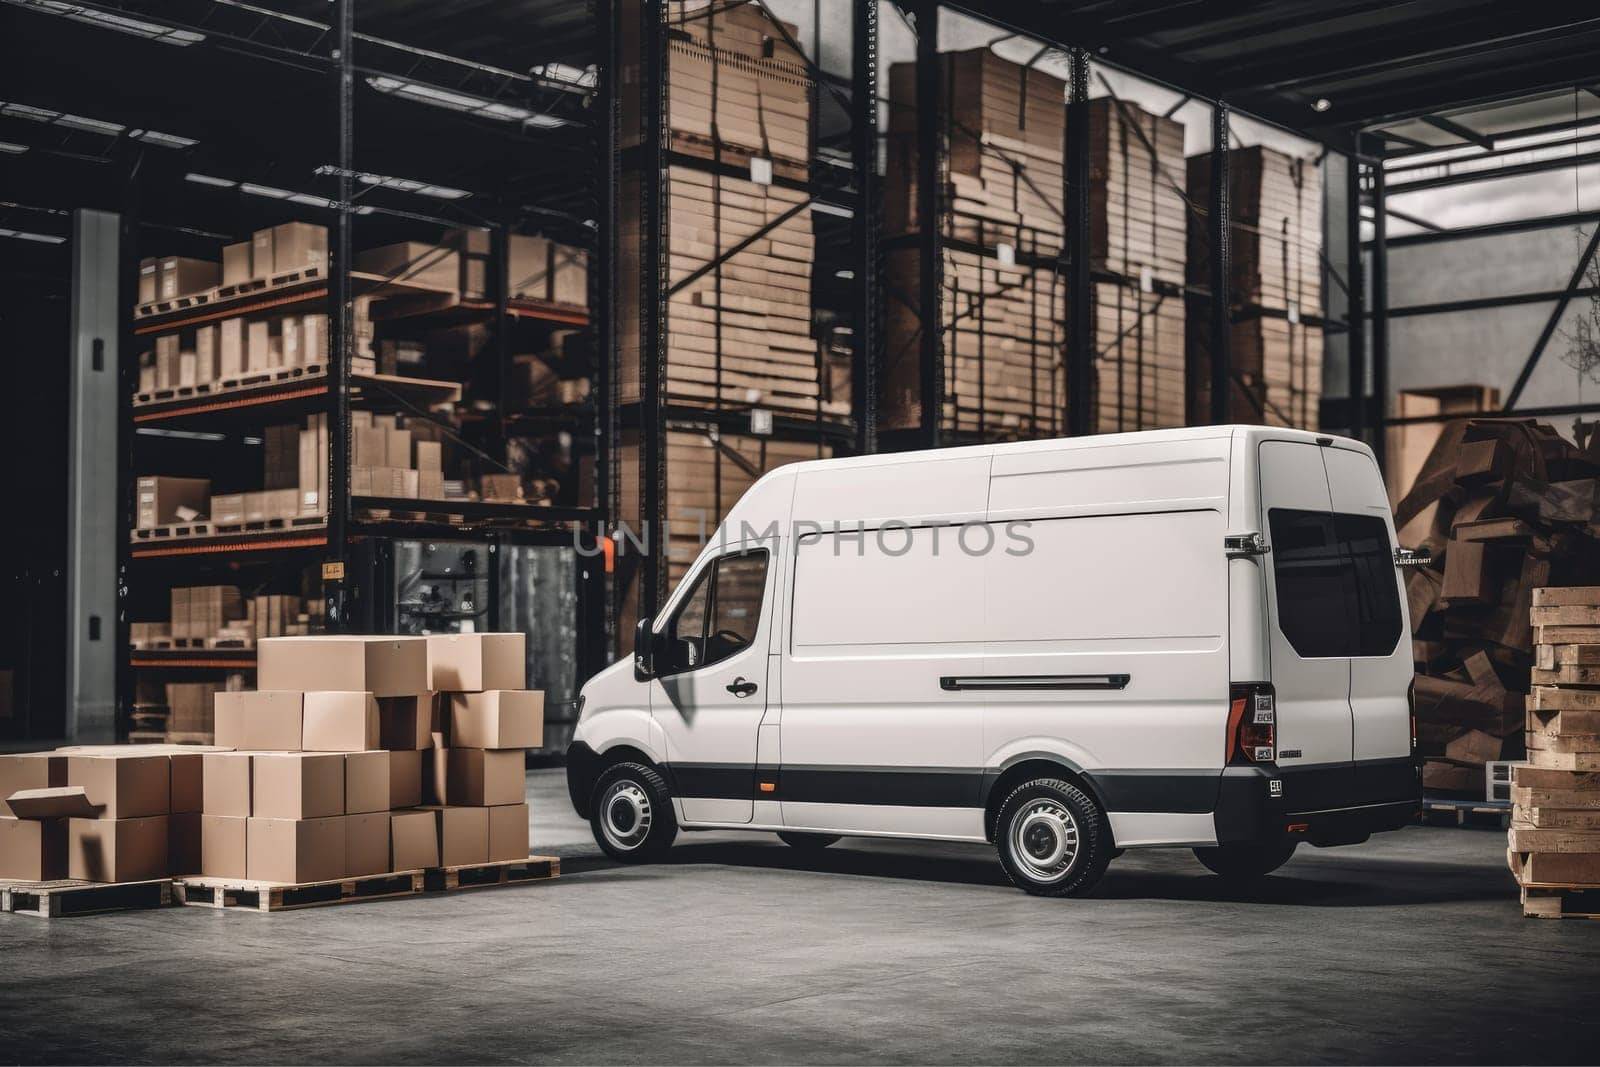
[1336,805]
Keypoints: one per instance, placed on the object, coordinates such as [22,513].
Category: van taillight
[1411,704]
[1252,725]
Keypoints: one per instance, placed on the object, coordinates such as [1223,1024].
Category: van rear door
[1309,626]
[1381,662]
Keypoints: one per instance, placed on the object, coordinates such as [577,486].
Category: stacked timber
[739,325]
[1275,283]
[1514,511]
[1002,221]
[1554,845]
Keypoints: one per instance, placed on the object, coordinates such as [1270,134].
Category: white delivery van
[1068,648]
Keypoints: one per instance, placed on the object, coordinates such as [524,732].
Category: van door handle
[741,688]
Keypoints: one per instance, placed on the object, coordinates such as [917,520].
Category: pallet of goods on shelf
[1514,510]
[219,617]
[706,475]
[1004,295]
[739,329]
[1275,283]
[1554,845]
[276,256]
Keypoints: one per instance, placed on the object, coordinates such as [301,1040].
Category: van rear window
[1336,585]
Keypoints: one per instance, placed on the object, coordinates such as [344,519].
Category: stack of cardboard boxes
[115,813]
[363,755]
[391,459]
[218,616]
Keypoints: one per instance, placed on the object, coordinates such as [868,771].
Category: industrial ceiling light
[566,77]
[12,149]
[40,238]
[422,93]
[165,140]
[206,179]
[85,124]
[150,31]
[1322,104]
[404,185]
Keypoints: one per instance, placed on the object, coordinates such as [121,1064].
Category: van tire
[806,842]
[630,812]
[1245,861]
[1044,818]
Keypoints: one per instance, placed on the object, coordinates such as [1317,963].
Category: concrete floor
[1409,949]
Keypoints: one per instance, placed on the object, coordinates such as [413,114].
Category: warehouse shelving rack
[554,181]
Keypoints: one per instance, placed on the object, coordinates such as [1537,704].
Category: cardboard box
[227,784]
[415,262]
[299,245]
[205,353]
[30,770]
[498,718]
[263,719]
[508,832]
[257,347]
[366,844]
[296,785]
[160,497]
[223,846]
[56,802]
[33,850]
[181,276]
[295,850]
[236,263]
[340,722]
[314,339]
[261,252]
[124,786]
[414,839]
[382,666]
[479,777]
[149,281]
[462,663]
[227,508]
[187,788]
[117,850]
[429,456]
[405,779]
[435,771]
[289,330]
[406,722]
[463,835]
[366,782]
[230,348]
[185,843]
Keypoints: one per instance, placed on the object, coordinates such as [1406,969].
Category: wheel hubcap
[626,816]
[1044,840]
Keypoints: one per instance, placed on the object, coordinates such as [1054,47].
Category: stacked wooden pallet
[739,329]
[1002,221]
[1513,511]
[1276,281]
[1555,828]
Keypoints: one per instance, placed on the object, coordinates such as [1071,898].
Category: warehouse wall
[1487,346]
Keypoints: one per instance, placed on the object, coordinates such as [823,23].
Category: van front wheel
[631,813]
[1052,840]
[1244,861]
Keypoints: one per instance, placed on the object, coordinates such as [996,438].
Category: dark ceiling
[1372,61]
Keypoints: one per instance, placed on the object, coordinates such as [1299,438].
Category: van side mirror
[644,648]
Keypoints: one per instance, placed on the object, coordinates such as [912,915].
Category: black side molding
[958,683]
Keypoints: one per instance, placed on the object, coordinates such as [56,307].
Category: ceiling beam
[1455,129]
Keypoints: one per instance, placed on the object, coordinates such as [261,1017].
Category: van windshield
[1335,579]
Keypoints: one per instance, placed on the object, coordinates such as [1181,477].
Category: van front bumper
[1342,804]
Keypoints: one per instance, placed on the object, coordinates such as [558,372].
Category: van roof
[1055,444]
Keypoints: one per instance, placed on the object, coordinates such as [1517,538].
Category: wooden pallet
[58,899]
[1489,815]
[1561,902]
[219,293]
[200,530]
[502,872]
[277,896]
[236,383]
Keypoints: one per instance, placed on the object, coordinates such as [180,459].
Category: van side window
[721,614]
[1337,592]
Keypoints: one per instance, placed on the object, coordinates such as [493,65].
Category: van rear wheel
[1244,861]
[1052,840]
[631,813]
[806,842]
